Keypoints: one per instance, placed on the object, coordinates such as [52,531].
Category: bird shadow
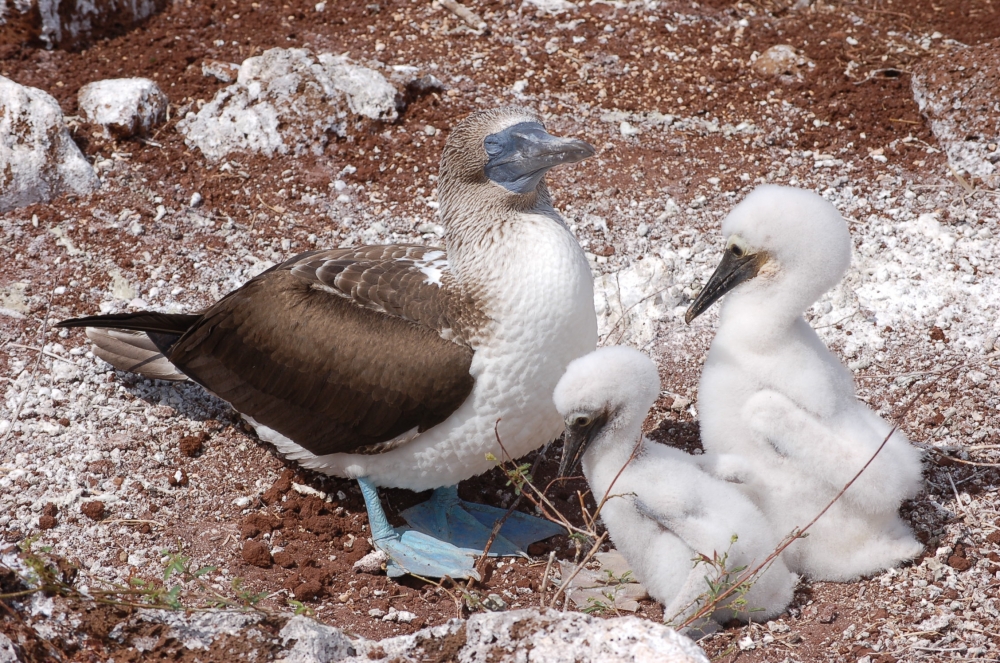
[189,400]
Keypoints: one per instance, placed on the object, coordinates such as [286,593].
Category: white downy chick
[664,509]
[778,406]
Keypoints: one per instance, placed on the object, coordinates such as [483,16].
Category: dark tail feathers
[163,328]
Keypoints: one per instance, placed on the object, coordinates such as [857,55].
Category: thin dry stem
[747,576]
[545,579]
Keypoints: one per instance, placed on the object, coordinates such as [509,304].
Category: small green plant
[181,587]
[248,597]
[517,476]
[623,579]
[724,577]
[301,608]
[596,606]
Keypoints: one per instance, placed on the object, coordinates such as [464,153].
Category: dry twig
[750,574]
[471,18]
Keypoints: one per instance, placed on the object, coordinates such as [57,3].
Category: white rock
[67,23]
[372,562]
[63,371]
[198,630]
[956,92]
[628,130]
[314,642]
[123,106]
[551,6]
[368,92]
[399,616]
[8,653]
[546,637]
[227,72]
[308,96]
[308,491]
[783,62]
[38,159]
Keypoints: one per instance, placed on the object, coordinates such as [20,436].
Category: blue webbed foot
[469,525]
[414,552]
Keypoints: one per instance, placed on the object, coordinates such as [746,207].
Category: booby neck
[767,310]
[491,186]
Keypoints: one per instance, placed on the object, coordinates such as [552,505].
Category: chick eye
[737,250]
[581,421]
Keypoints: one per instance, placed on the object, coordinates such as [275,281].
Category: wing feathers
[340,350]
[324,372]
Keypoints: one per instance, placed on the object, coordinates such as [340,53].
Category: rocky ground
[885,108]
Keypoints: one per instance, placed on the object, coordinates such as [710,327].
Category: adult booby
[394,364]
[774,397]
[664,509]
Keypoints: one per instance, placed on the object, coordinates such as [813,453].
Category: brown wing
[401,280]
[337,350]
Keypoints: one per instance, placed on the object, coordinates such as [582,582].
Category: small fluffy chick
[664,509]
[781,409]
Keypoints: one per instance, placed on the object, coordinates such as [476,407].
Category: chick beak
[732,271]
[576,440]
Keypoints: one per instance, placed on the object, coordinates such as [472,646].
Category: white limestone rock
[313,642]
[956,91]
[8,652]
[784,62]
[67,23]
[198,630]
[38,159]
[551,6]
[227,72]
[123,106]
[529,636]
[307,96]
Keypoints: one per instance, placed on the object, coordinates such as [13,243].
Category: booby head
[787,246]
[608,390]
[503,154]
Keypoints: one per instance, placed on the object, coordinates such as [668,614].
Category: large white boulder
[38,159]
[521,636]
[68,23]
[957,92]
[123,106]
[532,636]
[288,101]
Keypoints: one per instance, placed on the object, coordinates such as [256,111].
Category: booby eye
[737,250]
[493,145]
[581,420]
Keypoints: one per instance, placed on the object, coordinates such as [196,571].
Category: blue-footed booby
[776,401]
[393,364]
[664,510]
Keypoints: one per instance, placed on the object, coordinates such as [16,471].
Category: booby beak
[736,267]
[520,155]
[579,435]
